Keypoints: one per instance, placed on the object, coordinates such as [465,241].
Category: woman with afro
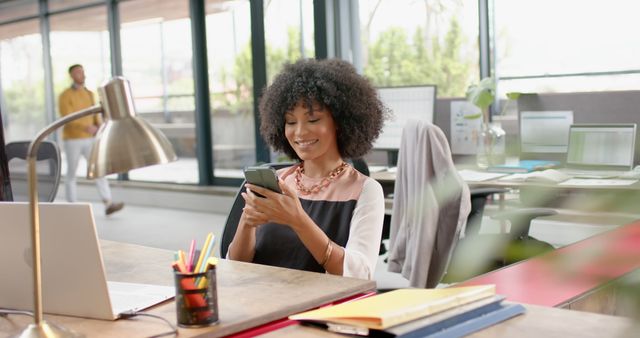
[329,216]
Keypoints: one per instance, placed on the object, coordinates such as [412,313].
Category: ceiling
[95,18]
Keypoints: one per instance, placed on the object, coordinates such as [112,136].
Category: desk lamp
[123,142]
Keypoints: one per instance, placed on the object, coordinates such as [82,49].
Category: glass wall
[289,36]
[288,29]
[79,37]
[230,86]
[157,59]
[22,80]
[545,38]
[542,46]
[407,42]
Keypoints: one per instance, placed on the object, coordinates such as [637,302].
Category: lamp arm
[34,211]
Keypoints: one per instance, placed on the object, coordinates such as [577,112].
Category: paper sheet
[464,131]
[597,182]
[478,176]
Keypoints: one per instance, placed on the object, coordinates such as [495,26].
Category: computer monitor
[411,102]
[544,135]
[602,146]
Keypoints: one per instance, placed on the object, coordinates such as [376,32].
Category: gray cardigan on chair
[430,206]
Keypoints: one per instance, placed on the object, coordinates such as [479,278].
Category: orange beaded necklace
[318,186]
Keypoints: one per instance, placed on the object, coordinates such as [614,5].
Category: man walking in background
[78,137]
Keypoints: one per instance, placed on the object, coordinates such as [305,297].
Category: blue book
[524,166]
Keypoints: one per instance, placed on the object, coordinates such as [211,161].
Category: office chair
[360,165]
[431,204]
[47,169]
[231,224]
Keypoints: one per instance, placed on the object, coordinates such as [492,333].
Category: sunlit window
[22,80]
[157,59]
[288,33]
[407,42]
[543,38]
[79,37]
[230,86]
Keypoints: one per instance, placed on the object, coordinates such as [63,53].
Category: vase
[491,145]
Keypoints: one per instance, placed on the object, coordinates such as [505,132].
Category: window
[230,86]
[22,80]
[288,33]
[157,59]
[289,36]
[79,37]
[407,42]
[565,46]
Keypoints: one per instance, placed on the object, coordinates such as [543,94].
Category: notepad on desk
[545,176]
[524,166]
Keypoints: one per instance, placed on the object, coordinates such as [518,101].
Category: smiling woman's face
[311,132]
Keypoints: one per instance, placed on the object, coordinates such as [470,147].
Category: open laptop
[600,150]
[73,275]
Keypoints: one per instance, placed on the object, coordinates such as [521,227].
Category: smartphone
[265,177]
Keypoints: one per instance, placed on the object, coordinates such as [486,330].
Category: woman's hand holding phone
[282,208]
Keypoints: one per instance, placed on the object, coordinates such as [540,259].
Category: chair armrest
[478,192]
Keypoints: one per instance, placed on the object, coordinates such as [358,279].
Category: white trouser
[73,149]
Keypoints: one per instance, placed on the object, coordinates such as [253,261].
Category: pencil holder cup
[196,298]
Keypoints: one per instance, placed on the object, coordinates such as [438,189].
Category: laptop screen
[606,146]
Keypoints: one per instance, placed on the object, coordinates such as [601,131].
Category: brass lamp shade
[125,141]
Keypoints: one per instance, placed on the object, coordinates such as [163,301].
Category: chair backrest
[5,184]
[360,165]
[430,206]
[47,168]
[231,225]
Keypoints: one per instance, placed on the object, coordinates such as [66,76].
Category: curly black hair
[334,84]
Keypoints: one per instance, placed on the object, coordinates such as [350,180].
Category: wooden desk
[537,322]
[248,294]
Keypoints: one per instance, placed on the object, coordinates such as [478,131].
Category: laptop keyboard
[131,297]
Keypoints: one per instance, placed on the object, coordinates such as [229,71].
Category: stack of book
[450,312]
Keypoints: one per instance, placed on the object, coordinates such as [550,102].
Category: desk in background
[602,198]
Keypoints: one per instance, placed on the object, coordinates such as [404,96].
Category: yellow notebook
[397,307]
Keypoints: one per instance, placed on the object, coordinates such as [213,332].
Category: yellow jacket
[72,100]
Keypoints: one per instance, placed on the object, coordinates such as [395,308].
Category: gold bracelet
[327,253]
